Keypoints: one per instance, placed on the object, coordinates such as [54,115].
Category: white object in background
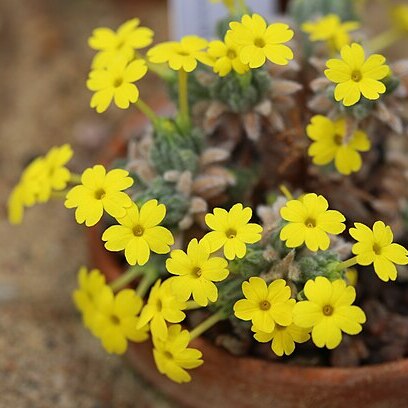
[199,17]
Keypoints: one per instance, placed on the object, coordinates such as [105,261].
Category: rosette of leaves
[166,193]
[241,93]
[173,150]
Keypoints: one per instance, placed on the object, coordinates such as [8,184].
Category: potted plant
[242,229]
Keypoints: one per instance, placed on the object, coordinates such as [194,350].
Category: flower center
[138,231]
[159,305]
[259,42]
[231,233]
[120,44]
[117,82]
[310,223]
[231,54]
[115,320]
[327,310]
[197,271]
[264,305]
[338,139]
[168,355]
[356,76]
[183,53]
[377,249]
[99,194]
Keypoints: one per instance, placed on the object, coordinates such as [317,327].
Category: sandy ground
[47,359]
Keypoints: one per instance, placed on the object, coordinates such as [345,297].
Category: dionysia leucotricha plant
[261,113]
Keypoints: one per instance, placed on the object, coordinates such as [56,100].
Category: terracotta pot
[226,381]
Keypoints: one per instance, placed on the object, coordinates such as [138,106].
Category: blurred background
[46,358]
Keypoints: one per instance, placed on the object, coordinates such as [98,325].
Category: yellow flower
[400,17]
[264,305]
[162,306]
[283,338]
[196,272]
[232,231]
[100,191]
[139,233]
[309,222]
[173,356]
[330,143]
[110,44]
[15,205]
[25,193]
[260,42]
[351,276]
[376,247]
[330,29]
[116,319]
[38,180]
[180,55]
[225,56]
[90,284]
[356,76]
[228,3]
[328,311]
[116,82]
[57,174]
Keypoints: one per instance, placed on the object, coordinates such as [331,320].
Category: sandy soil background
[47,359]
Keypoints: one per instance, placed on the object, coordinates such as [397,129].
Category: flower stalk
[146,282]
[206,325]
[384,40]
[126,278]
[59,195]
[147,111]
[192,305]
[347,263]
[75,178]
[242,7]
[183,98]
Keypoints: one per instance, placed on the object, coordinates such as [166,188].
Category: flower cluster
[43,178]
[276,316]
[331,30]
[112,318]
[309,222]
[184,210]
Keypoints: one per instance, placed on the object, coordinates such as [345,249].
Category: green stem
[145,283]
[161,70]
[206,324]
[242,7]
[75,178]
[59,194]
[126,278]
[383,40]
[191,305]
[147,111]
[286,192]
[183,97]
[346,264]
